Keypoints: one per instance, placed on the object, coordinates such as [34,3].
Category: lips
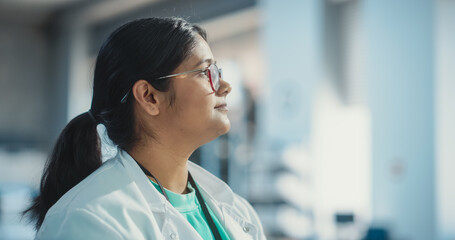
[222,106]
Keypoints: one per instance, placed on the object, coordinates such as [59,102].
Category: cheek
[196,108]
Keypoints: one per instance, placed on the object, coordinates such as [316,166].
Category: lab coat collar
[211,187]
[155,200]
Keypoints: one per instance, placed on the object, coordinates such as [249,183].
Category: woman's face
[198,112]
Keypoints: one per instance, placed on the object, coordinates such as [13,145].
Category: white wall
[445,118]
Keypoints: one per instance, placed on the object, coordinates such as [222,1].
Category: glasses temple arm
[123,100]
[183,73]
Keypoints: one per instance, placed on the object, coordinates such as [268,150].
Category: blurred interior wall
[24,95]
[292,43]
[445,118]
[33,80]
[400,71]
[341,139]
[292,40]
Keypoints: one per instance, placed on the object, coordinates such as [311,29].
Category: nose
[225,88]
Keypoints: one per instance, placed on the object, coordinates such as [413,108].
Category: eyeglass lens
[215,75]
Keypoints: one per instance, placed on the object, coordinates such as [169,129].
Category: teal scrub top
[188,205]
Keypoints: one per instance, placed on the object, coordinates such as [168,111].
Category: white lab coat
[117,201]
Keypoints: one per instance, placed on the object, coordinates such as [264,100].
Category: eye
[205,73]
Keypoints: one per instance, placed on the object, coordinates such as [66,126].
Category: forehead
[201,55]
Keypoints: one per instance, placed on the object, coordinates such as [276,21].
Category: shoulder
[95,205]
[107,184]
[77,224]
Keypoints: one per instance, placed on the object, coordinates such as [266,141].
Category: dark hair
[141,49]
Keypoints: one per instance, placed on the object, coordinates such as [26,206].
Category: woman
[159,93]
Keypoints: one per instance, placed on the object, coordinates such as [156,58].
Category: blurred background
[342,110]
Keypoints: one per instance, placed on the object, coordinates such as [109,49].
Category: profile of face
[198,113]
[198,109]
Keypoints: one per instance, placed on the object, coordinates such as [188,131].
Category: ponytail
[76,155]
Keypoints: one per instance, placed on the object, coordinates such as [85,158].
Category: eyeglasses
[212,72]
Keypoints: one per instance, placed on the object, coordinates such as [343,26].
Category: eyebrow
[208,60]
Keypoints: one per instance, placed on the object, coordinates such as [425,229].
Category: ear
[148,98]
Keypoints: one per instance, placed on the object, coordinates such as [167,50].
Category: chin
[218,129]
[222,129]
[225,130]
[218,133]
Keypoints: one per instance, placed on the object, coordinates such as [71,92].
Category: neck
[166,164]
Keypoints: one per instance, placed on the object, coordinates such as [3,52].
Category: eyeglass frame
[199,70]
